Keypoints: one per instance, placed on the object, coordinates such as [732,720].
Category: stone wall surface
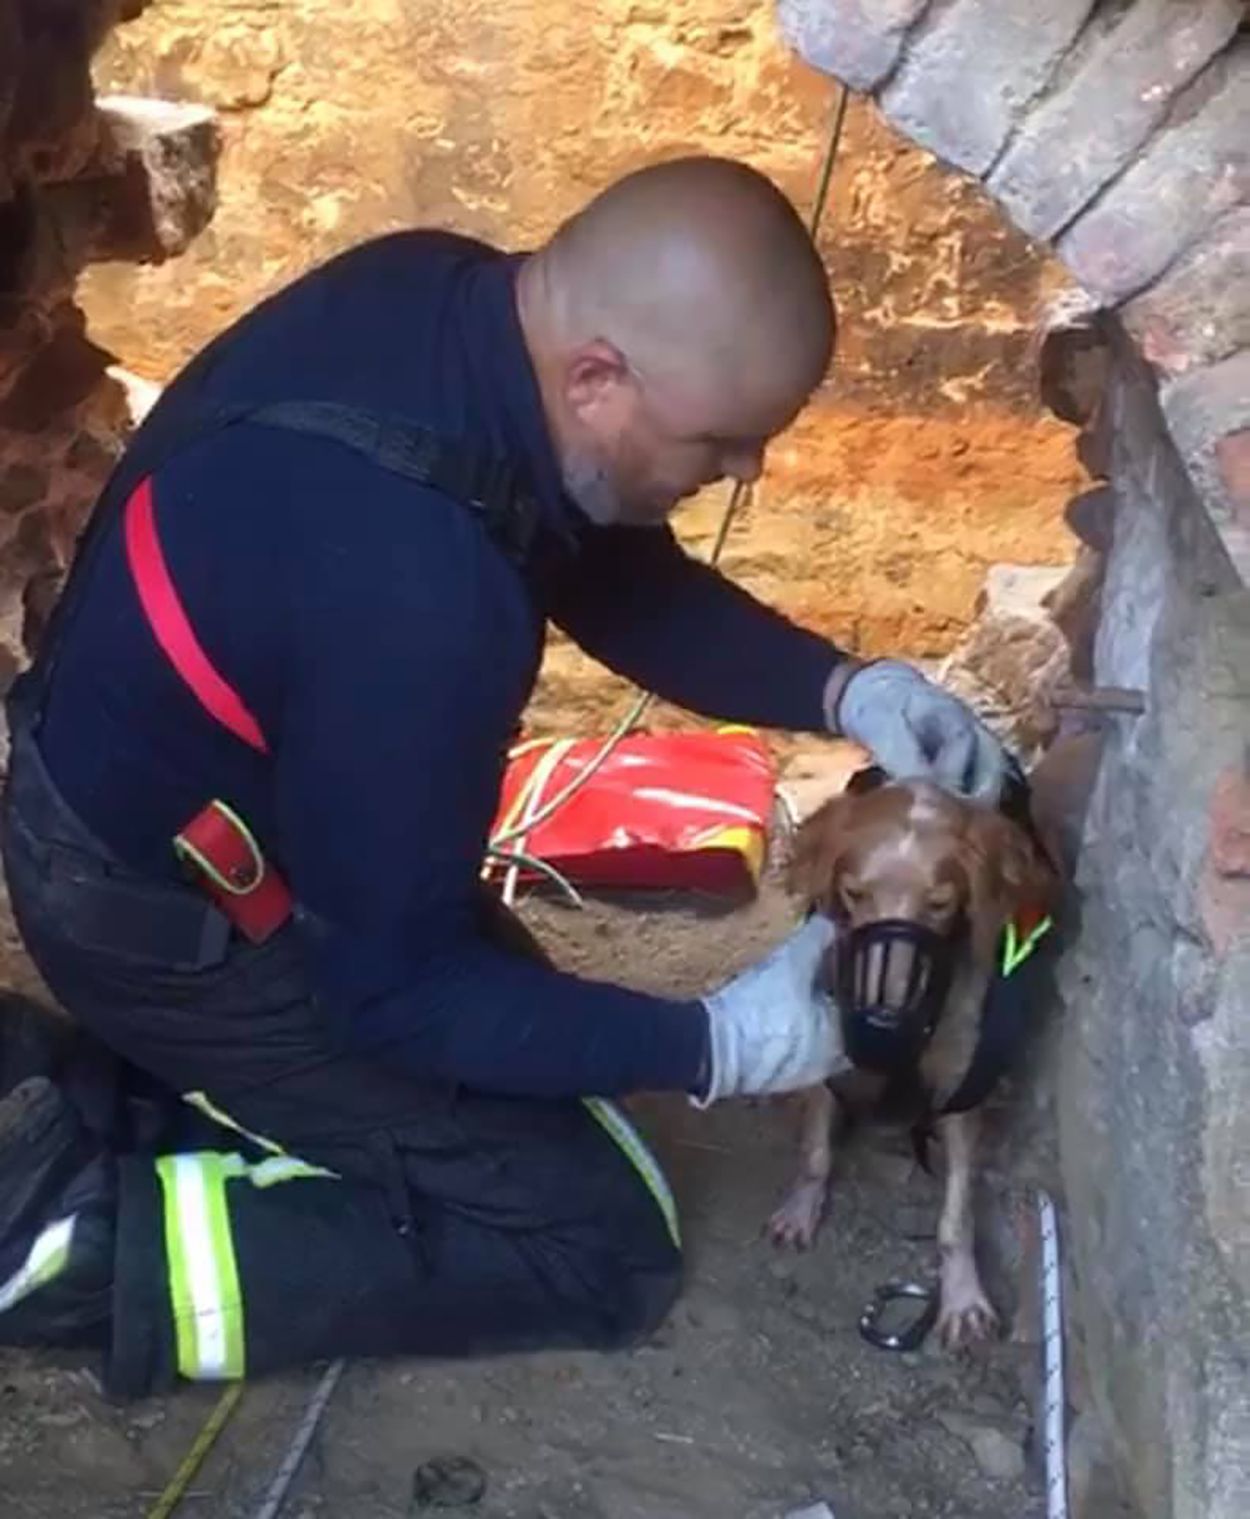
[1155,1126]
[1119,131]
[340,122]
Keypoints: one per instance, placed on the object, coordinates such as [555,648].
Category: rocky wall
[926,450]
[1119,132]
[1154,1123]
[80,180]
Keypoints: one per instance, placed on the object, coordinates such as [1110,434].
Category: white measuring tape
[1054,1400]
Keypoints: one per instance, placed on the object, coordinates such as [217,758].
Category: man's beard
[589,487]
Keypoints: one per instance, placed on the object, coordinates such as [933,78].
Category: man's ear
[593,371]
[818,848]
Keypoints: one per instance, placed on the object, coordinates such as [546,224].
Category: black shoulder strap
[488,486]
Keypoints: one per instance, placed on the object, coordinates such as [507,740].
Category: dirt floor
[758,1398]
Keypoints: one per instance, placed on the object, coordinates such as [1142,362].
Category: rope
[739,493]
[194,1458]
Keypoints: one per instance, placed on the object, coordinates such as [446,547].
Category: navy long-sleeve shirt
[388,647]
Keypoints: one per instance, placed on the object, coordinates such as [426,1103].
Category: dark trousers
[281,1199]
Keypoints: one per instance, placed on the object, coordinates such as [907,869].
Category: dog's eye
[853,892]
[941,898]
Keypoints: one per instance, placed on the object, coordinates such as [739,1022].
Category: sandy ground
[757,1398]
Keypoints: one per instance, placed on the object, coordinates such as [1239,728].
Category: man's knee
[628,1295]
[651,1298]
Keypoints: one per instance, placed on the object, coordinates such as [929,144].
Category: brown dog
[913,854]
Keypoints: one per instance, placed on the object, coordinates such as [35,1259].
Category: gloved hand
[772,1029]
[915,730]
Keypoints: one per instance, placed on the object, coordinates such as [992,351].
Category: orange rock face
[925,458]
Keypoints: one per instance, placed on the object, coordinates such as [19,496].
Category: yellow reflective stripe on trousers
[45,1259]
[204,1287]
[203,1277]
[627,1138]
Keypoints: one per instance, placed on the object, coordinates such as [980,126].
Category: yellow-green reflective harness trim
[1017,948]
[628,1140]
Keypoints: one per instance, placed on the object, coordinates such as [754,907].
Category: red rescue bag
[687,810]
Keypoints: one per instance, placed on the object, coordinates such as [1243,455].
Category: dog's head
[914,877]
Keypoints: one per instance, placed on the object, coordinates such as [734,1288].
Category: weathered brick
[1192,173]
[969,75]
[1224,888]
[1076,141]
[1208,414]
[857,40]
[1232,463]
[1230,824]
[1199,311]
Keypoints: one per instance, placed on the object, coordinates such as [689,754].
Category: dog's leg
[965,1313]
[799,1216]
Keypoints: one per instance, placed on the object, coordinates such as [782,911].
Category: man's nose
[745,464]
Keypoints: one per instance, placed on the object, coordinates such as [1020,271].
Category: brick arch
[1118,131]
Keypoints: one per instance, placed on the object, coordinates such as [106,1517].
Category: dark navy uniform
[400,1159]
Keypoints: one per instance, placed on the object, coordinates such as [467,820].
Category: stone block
[1072,357]
[972,70]
[859,41]
[1091,516]
[152,186]
[1013,656]
[1193,172]
[1208,415]
[1199,311]
[1076,141]
[1074,606]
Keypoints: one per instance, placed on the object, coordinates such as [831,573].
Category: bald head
[677,323]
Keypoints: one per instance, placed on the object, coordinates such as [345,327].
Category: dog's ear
[818,847]
[1006,875]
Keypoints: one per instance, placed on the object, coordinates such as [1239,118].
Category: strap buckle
[228,861]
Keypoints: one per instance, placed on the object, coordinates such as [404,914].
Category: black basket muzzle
[892,980]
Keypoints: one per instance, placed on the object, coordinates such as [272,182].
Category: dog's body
[914,854]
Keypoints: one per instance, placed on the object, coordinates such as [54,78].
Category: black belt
[98,903]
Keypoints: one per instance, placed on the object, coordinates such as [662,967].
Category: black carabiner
[912,1336]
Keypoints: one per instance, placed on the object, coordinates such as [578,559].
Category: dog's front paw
[966,1315]
[795,1223]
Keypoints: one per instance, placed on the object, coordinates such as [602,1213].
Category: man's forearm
[681,629]
[476,1015]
